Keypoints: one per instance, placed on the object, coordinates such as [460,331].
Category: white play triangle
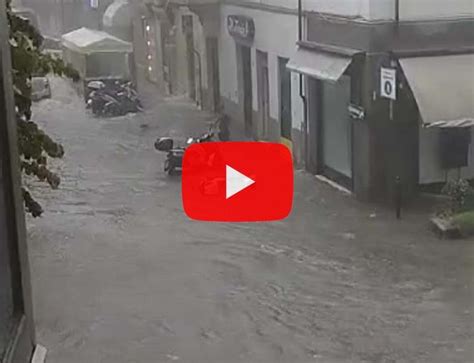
[235,181]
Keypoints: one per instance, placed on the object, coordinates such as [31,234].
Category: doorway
[312,133]
[191,66]
[336,131]
[213,73]
[244,59]
[285,98]
[263,95]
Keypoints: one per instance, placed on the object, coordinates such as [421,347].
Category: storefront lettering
[241,27]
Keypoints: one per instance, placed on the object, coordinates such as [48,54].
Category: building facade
[58,17]
[340,82]
[226,57]
[390,93]
[257,89]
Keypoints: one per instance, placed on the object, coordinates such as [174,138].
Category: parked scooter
[103,104]
[174,157]
[112,101]
[129,99]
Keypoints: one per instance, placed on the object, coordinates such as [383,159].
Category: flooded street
[120,274]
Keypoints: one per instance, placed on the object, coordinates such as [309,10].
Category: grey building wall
[385,144]
[57,17]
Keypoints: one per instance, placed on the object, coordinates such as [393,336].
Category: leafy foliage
[461,196]
[465,223]
[28,60]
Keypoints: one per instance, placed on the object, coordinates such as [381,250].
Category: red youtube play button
[237,181]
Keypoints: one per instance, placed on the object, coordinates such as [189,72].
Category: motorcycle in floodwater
[174,157]
[119,101]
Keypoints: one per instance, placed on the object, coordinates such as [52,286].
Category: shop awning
[318,64]
[443,87]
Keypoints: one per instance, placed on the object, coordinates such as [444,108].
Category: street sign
[388,83]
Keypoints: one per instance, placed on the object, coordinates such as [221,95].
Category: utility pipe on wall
[301,79]
[397,11]
[397,16]
[200,100]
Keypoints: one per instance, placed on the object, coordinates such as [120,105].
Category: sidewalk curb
[39,355]
[333,184]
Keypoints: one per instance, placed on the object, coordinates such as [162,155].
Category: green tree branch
[28,60]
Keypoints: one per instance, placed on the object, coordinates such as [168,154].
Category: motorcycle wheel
[170,169]
[96,111]
[112,111]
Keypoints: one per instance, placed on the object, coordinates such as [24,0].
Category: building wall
[436,9]
[181,56]
[61,16]
[275,34]
[382,9]
[415,9]
[430,168]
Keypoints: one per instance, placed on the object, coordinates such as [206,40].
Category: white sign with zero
[388,82]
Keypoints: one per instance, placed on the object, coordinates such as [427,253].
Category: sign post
[388,83]
[388,86]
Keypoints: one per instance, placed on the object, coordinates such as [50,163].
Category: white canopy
[89,41]
[443,87]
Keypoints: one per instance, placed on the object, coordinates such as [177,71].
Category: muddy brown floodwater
[121,275]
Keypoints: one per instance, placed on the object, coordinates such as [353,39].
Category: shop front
[442,86]
[330,126]
[242,29]
[258,92]
[390,107]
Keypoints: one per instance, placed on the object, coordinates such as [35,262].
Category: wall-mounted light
[149,57]
[148,43]
[148,28]
[150,69]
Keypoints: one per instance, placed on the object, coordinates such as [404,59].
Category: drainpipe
[199,102]
[302,93]
[63,27]
[397,12]
[397,16]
